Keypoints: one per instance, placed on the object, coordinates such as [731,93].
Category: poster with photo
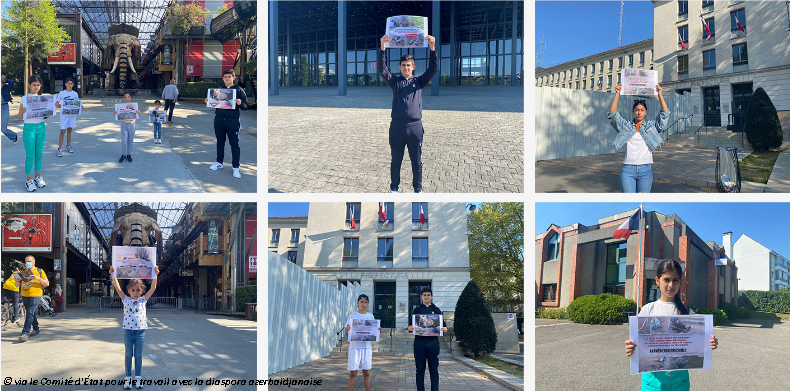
[157,116]
[406,31]
[670,343]
[222,98]
[38,106]
[134,262]
[126,111]
[364,330]
[429,325]
[639,81]
[71,107]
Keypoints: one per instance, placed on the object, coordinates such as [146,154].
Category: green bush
[473,323]
[763,129]
[195,89]
[719,316]
[550,312]
[599,309]
[734,312]
[767,301]
[245,294]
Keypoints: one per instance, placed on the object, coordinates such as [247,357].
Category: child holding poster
[32,136]
[68,121]
[135,324]
[360,353]
[127,132]
[156,121]
[668,276]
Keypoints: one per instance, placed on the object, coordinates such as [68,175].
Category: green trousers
[665,381]
[33,137]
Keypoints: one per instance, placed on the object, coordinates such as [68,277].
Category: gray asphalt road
[550,178]
[752,355]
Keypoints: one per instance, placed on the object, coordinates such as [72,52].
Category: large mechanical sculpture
[138,226]
[123,52]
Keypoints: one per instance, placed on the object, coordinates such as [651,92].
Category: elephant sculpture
[137,229]
[123,51]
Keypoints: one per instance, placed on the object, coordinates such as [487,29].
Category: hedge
[195,89]
[474,327]
[245,294]
[719,316]
[550,312]
[763,129]
[599,309]
[734,312]
[767,301]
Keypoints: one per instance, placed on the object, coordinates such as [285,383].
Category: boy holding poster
[426,349]
[360,353]
[68,121]
[669,275]
[227,125]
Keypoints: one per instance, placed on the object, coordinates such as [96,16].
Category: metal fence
[571,123]
[109,303]
[201,304]
[305,314]
[139,92]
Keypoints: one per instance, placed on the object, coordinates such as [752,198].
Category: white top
[638,152]
[32,120]
[661,308]
[66,94]
[359,344]
[135,313]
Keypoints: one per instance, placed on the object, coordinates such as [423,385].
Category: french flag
[352,217]
[706,26]
[682,43]
[625,229]
[738,24]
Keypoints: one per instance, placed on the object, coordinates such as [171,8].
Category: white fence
[305,314]
[571,123]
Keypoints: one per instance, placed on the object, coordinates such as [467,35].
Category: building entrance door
[414,293]
[740,101]
[710,103]
[653,291]
[385,303]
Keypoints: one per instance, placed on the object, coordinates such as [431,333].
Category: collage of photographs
[122,273]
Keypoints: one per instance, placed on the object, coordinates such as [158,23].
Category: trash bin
[250,311]
[728,172]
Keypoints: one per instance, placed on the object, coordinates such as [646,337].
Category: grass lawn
[757,166]
[512,369]
[769,315]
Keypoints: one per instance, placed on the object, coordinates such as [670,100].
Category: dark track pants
[169,106]
[228,127]
[400,134]
[424,351]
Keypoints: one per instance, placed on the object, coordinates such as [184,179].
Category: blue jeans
[636,178]
[133,343]
[9,133]
[31,304]
[13,296]
[157,130]
[127,137]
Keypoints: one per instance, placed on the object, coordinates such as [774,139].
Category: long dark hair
[668,266]
[36,78]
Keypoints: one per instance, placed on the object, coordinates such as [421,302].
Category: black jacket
[425,310]
[406,105]
[236,112]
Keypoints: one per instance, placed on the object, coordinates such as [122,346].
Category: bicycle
[7,309]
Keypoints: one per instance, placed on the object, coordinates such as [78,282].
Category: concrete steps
[398,345]
[715,137]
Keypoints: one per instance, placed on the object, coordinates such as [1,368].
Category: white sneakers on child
[69,149]
[30,186]
[236,173]
[138,382]
[59,153]
[158,141]
[216,166]
[127,383]
[39,181]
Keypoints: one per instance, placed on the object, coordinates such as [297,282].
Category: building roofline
[579,61]
[762,245]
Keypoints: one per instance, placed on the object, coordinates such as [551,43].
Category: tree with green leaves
[32,26]
[496,252]
[183,17]
[473,324]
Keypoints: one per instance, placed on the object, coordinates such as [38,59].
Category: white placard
[639,81]
[127,111]
[428,325]
[406,31]
[222,98]
[38,106]
[71,106]
[671,343]
[364,330]
[134,262]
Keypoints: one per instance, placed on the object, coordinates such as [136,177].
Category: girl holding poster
[127,129]
[641,137]
[33,136]
[668,276]
[360,353]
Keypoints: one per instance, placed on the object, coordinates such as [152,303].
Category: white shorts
[68,121]
[359,359]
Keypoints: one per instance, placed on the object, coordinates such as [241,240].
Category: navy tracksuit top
[406,105]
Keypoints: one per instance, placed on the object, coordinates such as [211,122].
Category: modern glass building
[480,42]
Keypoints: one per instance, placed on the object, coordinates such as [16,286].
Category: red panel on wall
[196,59]
[250,228]
[229,54]
[229,3]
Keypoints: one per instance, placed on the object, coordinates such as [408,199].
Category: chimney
[726,240]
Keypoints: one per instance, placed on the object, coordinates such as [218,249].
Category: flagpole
[639,261]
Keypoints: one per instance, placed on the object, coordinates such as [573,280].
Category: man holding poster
[227,124]
[359,355]
[427,348]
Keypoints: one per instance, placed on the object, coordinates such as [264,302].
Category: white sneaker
[155,141]
[127,383]
[30,186]
[69,149]
[138,382]
[39,181]
[393,191]
[236,173]
[59,153]
[216,166]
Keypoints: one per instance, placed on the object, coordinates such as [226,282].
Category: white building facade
[746,45]
[760,267]
[348,242]
[286,237]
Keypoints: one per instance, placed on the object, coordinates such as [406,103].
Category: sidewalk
[178,346]
[179,165]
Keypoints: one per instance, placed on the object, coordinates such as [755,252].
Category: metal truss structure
[168,215]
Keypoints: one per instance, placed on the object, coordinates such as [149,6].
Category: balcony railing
[274,243]
[382,227]
[420,262]
[385,262]
[293,243]
[349,262]
[418,226]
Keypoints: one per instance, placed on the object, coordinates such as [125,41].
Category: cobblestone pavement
[388,373]
[320,142]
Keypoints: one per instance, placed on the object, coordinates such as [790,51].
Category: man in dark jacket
[227,124]
[406,127]
[8,85]
[426,349]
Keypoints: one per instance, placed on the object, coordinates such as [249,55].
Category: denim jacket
[648,129]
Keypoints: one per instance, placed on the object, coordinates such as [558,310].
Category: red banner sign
[64,56]
[250,228]
[28,233]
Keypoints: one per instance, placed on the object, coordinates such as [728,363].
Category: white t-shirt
[638,152]
[135,313]
[25,105]
[66,94]
[359,344]
[661,308]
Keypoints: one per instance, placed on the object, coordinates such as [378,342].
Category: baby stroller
[44,306]
[728,172]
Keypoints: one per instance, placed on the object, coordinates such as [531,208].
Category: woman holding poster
[669,275]
[641,137]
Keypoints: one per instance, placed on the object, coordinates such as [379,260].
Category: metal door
[710,103]
[385,303]
[414,293]
[740,101]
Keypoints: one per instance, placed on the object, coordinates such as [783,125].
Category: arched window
[553,248]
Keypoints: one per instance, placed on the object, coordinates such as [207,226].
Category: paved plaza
[752,355]
[321,142]
[179,165]
[388,373]
[178,346]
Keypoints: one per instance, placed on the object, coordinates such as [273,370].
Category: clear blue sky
[768,223]
[576,29]
[280,209]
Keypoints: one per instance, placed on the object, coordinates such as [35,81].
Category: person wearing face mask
[31,291]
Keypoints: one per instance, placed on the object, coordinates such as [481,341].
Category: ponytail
[671,265]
